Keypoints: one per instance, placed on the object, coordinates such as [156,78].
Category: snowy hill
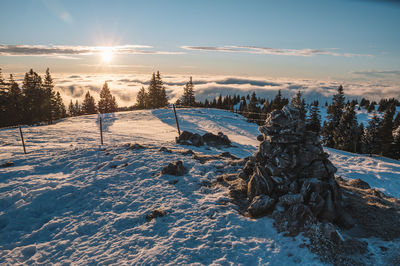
[70,200]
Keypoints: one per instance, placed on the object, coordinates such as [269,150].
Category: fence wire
[84,131]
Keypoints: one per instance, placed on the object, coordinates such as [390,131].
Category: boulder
[358,183]
[259,184]
[7,164]
[189,138]
[290,199]
[216,140]
[261,205]
[155,214]
[175,168]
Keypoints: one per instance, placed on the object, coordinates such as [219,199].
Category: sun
[106,54]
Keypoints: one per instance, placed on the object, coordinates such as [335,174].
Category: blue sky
[337,39]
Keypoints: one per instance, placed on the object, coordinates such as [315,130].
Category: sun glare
[106,55]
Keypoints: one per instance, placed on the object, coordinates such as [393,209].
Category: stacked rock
[291,170]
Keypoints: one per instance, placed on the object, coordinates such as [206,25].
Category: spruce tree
[4,120]
[299,103]
[314,120]
[152,93]
[162,99]
[396,143]
[335,111]
[346,134]
[219,102]
[60,111]
[71,109]
[48,97]
[265,110]
[14,103]
[371,107]
[107,102]
[33,98]
[396,121]
[370,138]
[89,105]
[253,112]
[277,102]
[188,98]
[386,131]
[141,99]
[78,109]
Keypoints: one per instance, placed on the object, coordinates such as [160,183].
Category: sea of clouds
[125,87]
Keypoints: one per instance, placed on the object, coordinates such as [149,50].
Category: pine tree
[188,98]
[48,97]
[156,93]
[71,109]
[107,102]
[33,96]
[371,107]
[4,120]
[152,93]
[162,99]
[89,104]
[386,131]
[60,111]
[277,103]
[78,109]
[370,138]
[396,121]
[335,111]
[314,120]
[14,103]
[396,143]
[219,102]
[346,134]
[253,111]
[265,110]
[299,103]
[141,99]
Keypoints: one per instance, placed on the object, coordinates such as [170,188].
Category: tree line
[106,104]
[340,130]
[34,102]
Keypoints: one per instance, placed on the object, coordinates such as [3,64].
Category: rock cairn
[291,173]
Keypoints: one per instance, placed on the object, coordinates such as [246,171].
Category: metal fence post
[22,139]
[176,120]
[101,130]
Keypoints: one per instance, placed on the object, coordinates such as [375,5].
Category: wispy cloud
[271,51]
[68,51]
[378,73]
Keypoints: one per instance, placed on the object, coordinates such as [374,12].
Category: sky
[336,41]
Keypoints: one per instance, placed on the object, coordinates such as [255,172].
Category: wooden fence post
[176,120]
[101,131]
[22,139]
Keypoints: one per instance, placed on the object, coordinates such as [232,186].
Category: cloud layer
[69,50]
[65,51]
[378,73]
[126,86]
[270,51]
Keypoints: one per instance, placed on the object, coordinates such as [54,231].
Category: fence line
[38,132]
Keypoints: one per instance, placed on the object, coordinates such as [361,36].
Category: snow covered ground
[70,200]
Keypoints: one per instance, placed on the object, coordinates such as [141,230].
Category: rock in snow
[175,168]
[188,138]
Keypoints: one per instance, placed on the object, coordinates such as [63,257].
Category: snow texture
[70,200]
